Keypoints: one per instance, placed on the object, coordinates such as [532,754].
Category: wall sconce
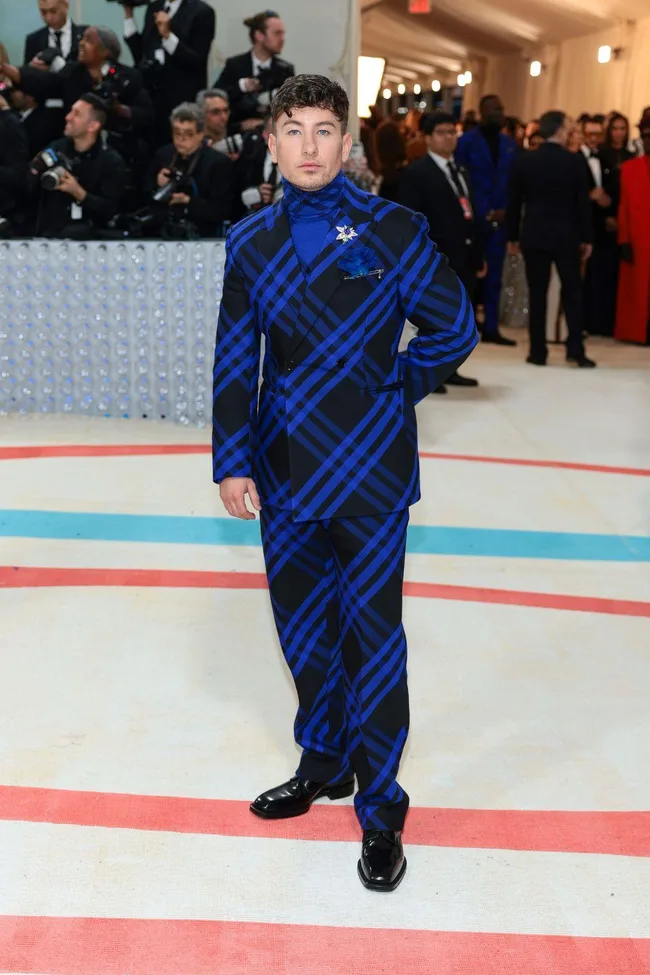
[435,85]
[387,93]
[462,80]
[468,77]
[607,54]
[401,89]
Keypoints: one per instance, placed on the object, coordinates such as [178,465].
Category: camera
[179,182]
[113,85]
[271,78]
[50,167]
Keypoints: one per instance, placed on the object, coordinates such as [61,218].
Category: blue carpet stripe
[422,539]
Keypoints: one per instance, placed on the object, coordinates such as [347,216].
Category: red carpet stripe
[113,946]
[615,833]
[25,577]
[135,450]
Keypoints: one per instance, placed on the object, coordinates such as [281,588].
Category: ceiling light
[535,69]
[468,77]
[417,89]
[435,85]
[387,93]
[604,54]
[462,80]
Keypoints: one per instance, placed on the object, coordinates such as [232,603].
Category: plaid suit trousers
[336,592]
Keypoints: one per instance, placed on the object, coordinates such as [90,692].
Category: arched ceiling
[420,47]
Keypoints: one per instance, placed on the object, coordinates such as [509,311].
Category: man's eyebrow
[293,121]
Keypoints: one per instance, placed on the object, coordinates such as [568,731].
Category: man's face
[273,37]
[217,114]
[493,113]
[91,50]
[186,138]
[54,12]
[310,147]
[443,140]
[592,134]
[79,121]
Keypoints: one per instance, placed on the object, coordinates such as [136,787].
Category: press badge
[466,207]
[76,212]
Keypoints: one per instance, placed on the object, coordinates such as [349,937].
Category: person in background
[210,174]
[531,129]
[515,128]
[600,271]
[637,144]
[535,141]
[614,152]
[252,78]
[39,123]
[416,147]
[257,180]
[437,188]
[60,32]
[14,160]
[549,187]
[633,308]
[172,52]
[616,142]
[470,121]
[391,152]
[215,105]
[574,143]
[488,155]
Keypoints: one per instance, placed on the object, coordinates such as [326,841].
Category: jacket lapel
[280,269]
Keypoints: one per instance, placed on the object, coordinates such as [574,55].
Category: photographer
[216,109]
[130,112]
[60,33]
[196,180]
[172,51]
[251,79]
[14,157]
[87,181]
[257,181]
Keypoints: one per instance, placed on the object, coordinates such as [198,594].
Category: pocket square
[360,262]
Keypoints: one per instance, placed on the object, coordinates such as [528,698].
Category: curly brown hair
[311,91]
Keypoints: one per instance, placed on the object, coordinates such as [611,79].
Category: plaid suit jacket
[333,431]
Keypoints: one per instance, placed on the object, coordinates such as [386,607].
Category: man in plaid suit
[327,453]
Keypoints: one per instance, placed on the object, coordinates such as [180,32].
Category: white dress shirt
[443,164]
[265,97]
[251,197]
[66,38]
[169,44]
[594,166]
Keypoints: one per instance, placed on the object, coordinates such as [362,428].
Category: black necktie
[58,34]
[455,178]
[594,154]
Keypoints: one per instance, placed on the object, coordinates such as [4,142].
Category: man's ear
[347,146]
[273,147]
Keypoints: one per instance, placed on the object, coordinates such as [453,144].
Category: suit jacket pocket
[388,388]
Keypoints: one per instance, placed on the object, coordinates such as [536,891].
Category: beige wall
[573,79]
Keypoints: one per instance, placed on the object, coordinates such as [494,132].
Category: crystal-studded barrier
[109,329]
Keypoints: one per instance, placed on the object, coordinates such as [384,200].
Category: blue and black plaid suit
[331,442]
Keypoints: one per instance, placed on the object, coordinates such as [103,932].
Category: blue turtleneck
[311,215]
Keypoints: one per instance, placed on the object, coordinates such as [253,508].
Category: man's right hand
[233,491]
[128,12]
[163,177]
[266,192]
[251,84]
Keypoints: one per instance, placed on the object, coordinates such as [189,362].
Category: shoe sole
[338,792]
[381,888]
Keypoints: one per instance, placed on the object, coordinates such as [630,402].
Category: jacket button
[290,365]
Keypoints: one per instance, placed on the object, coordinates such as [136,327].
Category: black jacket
[39,40]
[249,171]
[426,189]
[101,172]
[14,160]
[41,126]
[185,72]
[549,187]
[74,80]
[243,104]
[213,178]
[599,214]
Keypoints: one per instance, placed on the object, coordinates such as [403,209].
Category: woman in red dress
[633,308]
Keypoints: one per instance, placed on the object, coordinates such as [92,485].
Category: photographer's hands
[162,21]
[70,185]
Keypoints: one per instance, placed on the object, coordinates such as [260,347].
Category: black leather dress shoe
[534,361]
[294,798]
[382,865]
[441,390]
[458,380]
[582,362]
[496,338]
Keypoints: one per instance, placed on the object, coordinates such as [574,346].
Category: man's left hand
[179,198]
[513,248]
[162,20]
[483,272]
[70,185]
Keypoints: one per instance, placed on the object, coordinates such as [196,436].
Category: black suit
[211,173]
[249,172]
[41,126]
[426,189]
[14,159]
[549,187]
[601,278]
[245,104]
[39,40]
[185,72]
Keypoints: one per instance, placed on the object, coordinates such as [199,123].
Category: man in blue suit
[327,452]
[489,156]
